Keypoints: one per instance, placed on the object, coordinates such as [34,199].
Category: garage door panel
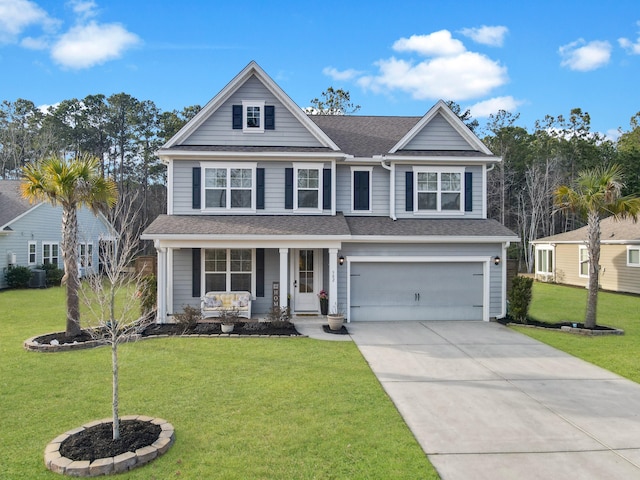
[416,291]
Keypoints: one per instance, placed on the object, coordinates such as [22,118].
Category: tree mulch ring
[570,327]
[97,441]
[343,330]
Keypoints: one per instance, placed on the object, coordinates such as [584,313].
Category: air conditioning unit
[11,258]
[38,279]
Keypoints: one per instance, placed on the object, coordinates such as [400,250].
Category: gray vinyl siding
[379,192]
[477,193]
[438,134]
[44,224]
[183,186]
[217,129]
[436,250]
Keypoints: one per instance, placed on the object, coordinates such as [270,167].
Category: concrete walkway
[485,402]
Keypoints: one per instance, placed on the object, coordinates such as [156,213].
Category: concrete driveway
[485,402]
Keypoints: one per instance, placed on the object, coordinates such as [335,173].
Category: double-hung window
[583,255]
[544,260]
[31,253]
[229,270]
[86,255]
[438,190]
[50,253]
[229,187]
[633,256]
[308,187]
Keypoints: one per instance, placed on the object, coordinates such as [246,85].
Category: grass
[242,408]
[558,303]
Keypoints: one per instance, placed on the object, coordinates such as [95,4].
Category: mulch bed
[343,330]
[97,442]
[555,326]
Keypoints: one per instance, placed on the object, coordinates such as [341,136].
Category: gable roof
[252,69]
[12,204]
[611,231]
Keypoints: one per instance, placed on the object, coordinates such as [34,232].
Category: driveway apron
[486,402]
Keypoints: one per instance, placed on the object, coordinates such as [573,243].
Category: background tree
[596,194]
[465,116]
[71,184]
[333,102]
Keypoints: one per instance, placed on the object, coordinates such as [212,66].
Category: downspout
[392,187]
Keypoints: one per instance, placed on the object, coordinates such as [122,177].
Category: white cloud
[493,105]
[92,44]
[17,15]
[84,9]
[435,44]
[583,57]
[338,75]
[31,43]
[493,36]
[629,46]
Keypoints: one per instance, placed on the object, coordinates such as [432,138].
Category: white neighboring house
[386,214]
[30,234]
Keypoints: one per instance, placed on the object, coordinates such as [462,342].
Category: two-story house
[387,214]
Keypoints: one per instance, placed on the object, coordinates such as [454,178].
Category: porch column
[169,282]
[333,280]
[162,285]
[284,277]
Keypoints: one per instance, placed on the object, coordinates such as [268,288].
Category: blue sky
[396,58]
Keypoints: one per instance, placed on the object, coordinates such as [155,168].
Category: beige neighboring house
[564,259]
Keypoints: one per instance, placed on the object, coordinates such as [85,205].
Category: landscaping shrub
[279,317]
[148,294]
[520,298]
[18,277]
[189,317]
[53,273]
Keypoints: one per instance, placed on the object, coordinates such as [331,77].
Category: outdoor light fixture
[496,260]
[341,260]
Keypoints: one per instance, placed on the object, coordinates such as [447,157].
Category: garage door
[416,291]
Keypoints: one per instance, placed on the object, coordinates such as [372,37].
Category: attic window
[253,116]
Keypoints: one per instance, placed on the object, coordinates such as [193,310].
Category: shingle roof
[12,204]
[611,230]
[321,226]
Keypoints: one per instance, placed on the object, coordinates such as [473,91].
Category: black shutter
[288,188]
[409,192]
[360,190]
[195,190]
[260,188]
[237,117]
[468,191]
[259,272]
[326,189]
[195,272]
[269,117]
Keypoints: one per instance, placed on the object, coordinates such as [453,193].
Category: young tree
[71,184]
[596,194]
[120,320]
[333,102]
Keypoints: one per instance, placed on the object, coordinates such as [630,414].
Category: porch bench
[212,303]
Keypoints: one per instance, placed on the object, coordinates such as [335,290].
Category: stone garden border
[55,462]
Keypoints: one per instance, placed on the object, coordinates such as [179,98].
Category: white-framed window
[229,270]
[229,187]
[86,255]
[361,189]
[31,253]
[633,256]
[253,116]
[583,257]
[50,253]
[544,260]
[308,187]
[438,190]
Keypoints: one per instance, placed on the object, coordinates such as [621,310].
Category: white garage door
[416,291]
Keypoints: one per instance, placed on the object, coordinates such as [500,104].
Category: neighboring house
[563,258]
[387,214]
[30,234]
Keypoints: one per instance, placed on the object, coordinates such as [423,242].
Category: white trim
[352,183]
[170,186]
[35,252]
[637,249]
[503,293]
[583,248]
[168,155]
[439,192]
[246,104]
[486,294]
[169,281]
[51,243]
[484,191]
[307,166]
[228,166]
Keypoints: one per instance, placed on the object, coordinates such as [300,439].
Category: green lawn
[242,408]
[619,354]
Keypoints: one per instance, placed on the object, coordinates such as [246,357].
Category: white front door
[306,284]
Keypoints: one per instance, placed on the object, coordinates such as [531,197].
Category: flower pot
[227,328]
[335,321]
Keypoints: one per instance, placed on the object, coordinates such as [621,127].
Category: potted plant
[324,302]
[228,318]
[335,319]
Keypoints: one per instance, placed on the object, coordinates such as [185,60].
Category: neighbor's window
[584,262]
[31,253]
[228,269]
[438,190]
[229,188]
[86,254]
[544,261]
[308,186]
[50,253]
[633,256]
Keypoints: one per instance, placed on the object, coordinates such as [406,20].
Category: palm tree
[595,195]
[71,184]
